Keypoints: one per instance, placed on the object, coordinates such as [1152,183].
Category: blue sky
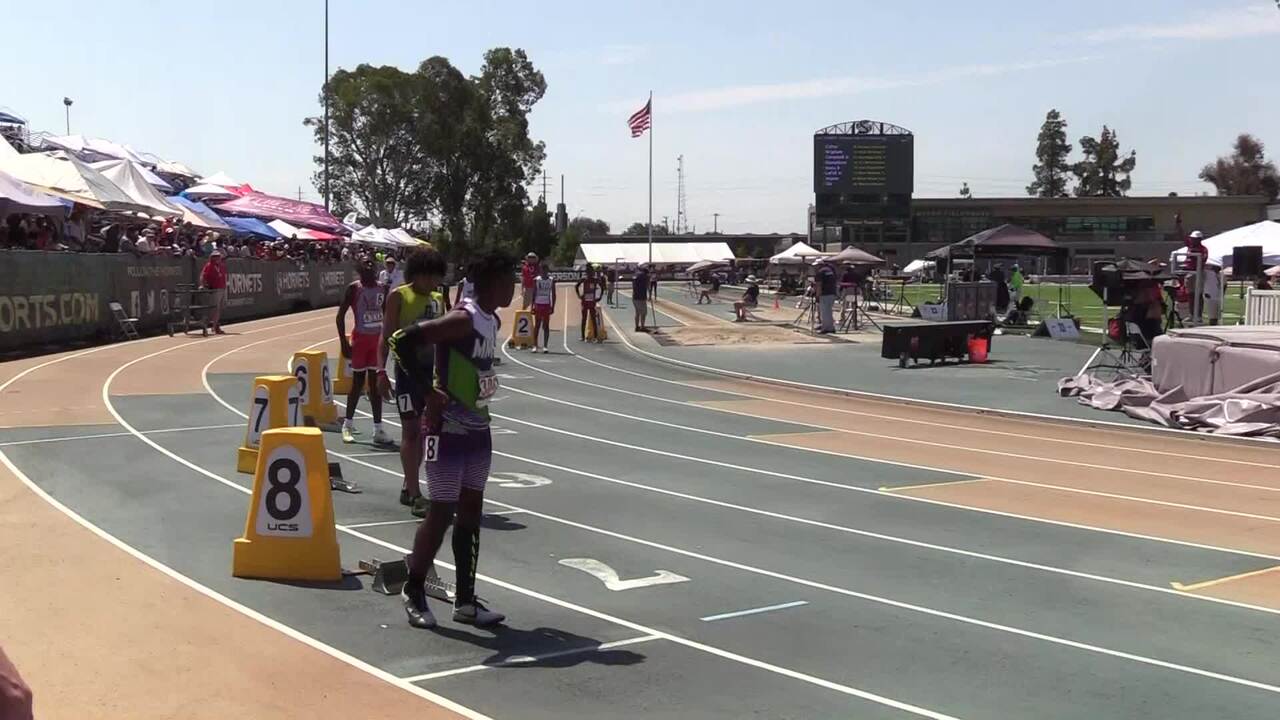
[739,87]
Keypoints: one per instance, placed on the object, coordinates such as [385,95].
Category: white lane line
[753,611]
[202,589]
[117,434]
[384,453]
[801,448]
[878,436]
[709,649]
[383,523]
[1020,436]
[952,407]
[890,602]
[530,659]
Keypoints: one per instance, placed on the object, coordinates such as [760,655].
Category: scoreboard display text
[863,164]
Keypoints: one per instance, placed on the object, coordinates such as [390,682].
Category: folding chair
[128,325]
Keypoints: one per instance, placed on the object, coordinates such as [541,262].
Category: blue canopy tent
[251,226]
[197,213]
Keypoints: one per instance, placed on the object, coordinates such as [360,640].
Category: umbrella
[854,256]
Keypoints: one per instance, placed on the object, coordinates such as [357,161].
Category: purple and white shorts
[461,460]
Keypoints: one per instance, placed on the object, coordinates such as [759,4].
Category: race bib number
[430,448]
[488,387]
[404,404]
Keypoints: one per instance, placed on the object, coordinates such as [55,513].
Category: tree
[1245,172]
[566,250]
[436,144]
[1104,172]
[1052,150]
[639,228]
[375,163]
[589,228]
[965,193]
[538,236]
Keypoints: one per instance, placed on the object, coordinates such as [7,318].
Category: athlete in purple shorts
[457,447]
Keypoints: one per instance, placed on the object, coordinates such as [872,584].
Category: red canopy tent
[294,212]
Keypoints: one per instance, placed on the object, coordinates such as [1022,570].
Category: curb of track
[1225,440]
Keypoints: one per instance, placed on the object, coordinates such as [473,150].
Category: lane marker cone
[273,403]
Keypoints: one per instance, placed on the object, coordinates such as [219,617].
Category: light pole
[325,90]
[715,219]
[67,102]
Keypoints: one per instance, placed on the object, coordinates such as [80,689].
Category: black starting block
[336,481]
[390,576]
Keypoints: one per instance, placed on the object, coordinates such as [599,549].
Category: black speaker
[1246,262]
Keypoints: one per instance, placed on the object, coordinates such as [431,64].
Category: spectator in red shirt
[214,277]
[528,272]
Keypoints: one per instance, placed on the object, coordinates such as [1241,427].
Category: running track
[807,556]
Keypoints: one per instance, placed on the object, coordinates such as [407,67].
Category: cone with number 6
[289,533]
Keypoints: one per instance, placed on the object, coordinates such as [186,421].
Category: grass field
[1077,300]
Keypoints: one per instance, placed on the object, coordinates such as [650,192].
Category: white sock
[348,423]
[377,427]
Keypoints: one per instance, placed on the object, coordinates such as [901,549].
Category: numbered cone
[273,403]
[522,330]
[342,383]
[315,387]
[289,533]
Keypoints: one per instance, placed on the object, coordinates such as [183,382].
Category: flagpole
[651,178]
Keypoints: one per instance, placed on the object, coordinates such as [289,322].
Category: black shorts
[411,400]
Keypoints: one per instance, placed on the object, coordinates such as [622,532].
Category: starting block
[596,334]
[337,482]
[342,383]
[315,387]
[289,533]
[389,579]
[522,330]
[273,403]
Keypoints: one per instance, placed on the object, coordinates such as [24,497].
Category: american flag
[639,122]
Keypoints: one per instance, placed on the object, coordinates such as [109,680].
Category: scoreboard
[863,164]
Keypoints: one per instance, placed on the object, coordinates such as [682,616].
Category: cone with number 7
[274,403]
[289,533]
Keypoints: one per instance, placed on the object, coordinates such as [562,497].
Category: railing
[1262,307]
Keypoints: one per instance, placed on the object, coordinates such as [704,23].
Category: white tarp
[918,265]
[128,177]
[405,238]
[795,255]
[665,253]
[1265,234]
[152,179]
[19,197]
[383,238]
[286,229]
[63,174]
[209,191]
[92,146]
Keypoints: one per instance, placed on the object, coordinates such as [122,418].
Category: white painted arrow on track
[609,576]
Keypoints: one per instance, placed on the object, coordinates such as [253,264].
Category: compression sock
[466,552]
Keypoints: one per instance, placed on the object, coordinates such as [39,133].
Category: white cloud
[1224,24]
[622,54]
[738,95]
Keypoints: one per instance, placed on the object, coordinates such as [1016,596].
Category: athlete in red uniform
[588,290]
[365,298]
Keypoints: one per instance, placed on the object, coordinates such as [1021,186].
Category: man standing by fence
[826,296]
[214,277]
[640,295]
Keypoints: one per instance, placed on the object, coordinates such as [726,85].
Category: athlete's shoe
[416,609]
[405,498]
[348,434]
[475,613]
[380,437]
[420,506]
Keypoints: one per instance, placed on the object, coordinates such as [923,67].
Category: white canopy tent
[665,253]
[152,179]
[375,237]
[128,177]
[798,254]
[209,191]
[92,146]
[1265,234]
[63,174]
[17,196]
[221,178]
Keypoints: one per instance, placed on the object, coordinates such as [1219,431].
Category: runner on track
[458,450]
[588,290]
[416,300]
[365,299]
[544,306]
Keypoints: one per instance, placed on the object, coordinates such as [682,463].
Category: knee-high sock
[466,553]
